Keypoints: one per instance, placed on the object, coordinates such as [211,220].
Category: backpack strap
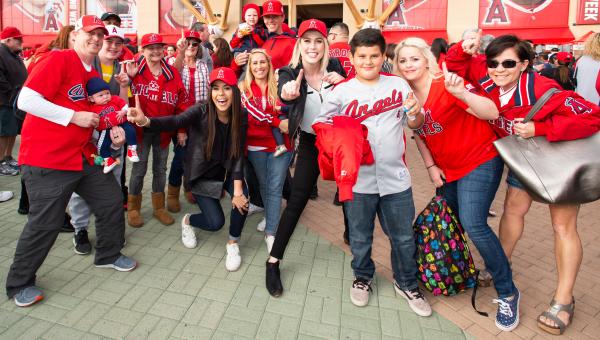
[474,295]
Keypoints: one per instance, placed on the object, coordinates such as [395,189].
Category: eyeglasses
[508,63]
[194,44]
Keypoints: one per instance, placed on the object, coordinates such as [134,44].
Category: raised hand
[135,114]
[131,67]
[333,78]
[291,89]
[122,78]
[182,43]
[454,83]
[471,42]
[242,58]
[411,106]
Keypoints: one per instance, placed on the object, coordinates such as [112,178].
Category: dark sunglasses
[508,63]
[194,44]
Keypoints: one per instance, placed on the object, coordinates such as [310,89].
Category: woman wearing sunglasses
[506,77]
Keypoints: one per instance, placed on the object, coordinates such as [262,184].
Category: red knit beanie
[250,6]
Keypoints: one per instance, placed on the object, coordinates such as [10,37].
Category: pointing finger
[445,69]
[300,76]
[182,34]
[137,101]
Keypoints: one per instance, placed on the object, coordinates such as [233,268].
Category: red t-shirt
[109,113]
[61,79]
[341,51]
[458,141]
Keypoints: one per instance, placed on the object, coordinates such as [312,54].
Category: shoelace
[416,294]
[504,307]
[361,284]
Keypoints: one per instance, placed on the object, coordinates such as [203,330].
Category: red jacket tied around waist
[343,148]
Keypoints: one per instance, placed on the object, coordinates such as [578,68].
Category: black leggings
[305,178]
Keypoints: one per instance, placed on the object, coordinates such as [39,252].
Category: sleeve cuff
[345,192]
[276,121]
[540,128]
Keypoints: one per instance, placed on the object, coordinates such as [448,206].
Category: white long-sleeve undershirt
[34,103]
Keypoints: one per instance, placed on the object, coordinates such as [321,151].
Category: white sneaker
[416,300]
[6,195]
[269,240]
[261,225]
[233,260]
[253,209]
[188,236]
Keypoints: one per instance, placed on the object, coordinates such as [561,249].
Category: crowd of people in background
[239,112]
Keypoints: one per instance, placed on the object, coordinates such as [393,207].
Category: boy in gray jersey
[384,104]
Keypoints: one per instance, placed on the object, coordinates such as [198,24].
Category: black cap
[108,15]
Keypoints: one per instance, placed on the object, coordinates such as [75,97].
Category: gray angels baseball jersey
[381,104]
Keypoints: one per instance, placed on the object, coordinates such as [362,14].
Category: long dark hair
[223,53]
[504,42]
[235,120]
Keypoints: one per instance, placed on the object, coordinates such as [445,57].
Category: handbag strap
[538,105]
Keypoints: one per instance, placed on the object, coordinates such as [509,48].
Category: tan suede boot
[161,214]
[134,204]
[173,204]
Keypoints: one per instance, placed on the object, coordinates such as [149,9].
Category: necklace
[502,92]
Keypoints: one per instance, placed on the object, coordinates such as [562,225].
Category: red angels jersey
[341,51]
[458,141]
[51,21]
[160,97]
[61,79]
[108,113]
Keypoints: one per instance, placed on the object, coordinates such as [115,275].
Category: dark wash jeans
[471,197]
[211,216]
[396,213]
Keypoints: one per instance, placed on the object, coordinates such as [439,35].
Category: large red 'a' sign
[523,13]
[417,15]
[39,17]
[588,12]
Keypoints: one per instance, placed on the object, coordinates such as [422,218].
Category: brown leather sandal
[552,315]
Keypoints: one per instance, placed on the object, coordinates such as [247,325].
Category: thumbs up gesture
[454,83]
[135,114]
[291,89]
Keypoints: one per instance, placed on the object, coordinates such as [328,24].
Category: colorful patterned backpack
[443,257]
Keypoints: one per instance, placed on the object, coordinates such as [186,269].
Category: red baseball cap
[10,32]
[272,7]
[152,39]
[192,35]
[225,74]
[89,23]
[564,57]
[312,25]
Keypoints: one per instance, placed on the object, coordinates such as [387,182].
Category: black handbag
[554,172]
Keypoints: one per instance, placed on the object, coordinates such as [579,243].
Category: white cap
[114,31]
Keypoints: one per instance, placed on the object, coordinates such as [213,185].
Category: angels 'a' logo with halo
[270,7]
[313,24]
[496,12]
[221,74]
[153,38]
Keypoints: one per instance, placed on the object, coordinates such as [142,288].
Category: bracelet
[431,166]
[145,123]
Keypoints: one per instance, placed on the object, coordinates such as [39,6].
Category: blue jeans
[396,213]
[471,197]
[176,172]
[211,216]
[271,172]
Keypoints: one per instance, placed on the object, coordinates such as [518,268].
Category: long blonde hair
[297,56]
[592,46]
[425,50]
[245,84]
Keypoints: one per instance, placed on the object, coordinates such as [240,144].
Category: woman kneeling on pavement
[213,161]
[506,77]
[456,146]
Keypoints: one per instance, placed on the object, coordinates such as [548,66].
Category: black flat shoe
[273,279]
[67,227]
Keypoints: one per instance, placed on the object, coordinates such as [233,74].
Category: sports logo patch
[76,93]
[577,106]
[221,74]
